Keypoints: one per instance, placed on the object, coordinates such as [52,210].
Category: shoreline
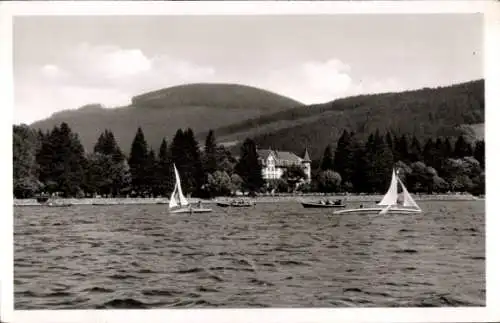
[259,199]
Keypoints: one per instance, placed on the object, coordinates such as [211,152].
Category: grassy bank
[259,199]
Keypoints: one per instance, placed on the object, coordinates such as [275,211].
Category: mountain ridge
[450,110]
[201,106]
[236,111]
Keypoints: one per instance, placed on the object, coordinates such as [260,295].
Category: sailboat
[178,202]
[389,203]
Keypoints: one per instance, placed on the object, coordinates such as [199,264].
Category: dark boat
[45,200]
[42,199]
[323,204]
[235,204]
[223,204]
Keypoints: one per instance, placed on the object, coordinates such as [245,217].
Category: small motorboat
[42,199]
[242,203]
[223,204]
[235,203]
[324,204]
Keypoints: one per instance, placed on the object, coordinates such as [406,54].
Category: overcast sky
[65,62]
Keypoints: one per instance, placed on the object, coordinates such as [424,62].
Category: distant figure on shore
[199,204]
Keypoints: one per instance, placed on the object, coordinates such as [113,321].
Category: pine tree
[151,175]
[384,163]
[402,150]
[429,153]
[25,169]
[447,148]
[62,161]
[196,164]
[341,162]
[327,160]
[210,153]
[165,170]
[479,152]
[378,162]
[415,151]
[249,168]
[389,141]
[363,164]
[138,162]
[442,151]
[185,153]
[462,148]
[77,165]
[351,160]
[177,149]
[106,144]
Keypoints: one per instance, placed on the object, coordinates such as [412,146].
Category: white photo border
[491,11]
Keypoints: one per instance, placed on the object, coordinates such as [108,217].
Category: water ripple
[280,255]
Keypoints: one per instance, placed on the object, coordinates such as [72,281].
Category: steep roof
[264,153]
[280,156]
[306,156]
[287,156]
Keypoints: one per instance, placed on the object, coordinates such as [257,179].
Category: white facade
[274,163]
[270,170]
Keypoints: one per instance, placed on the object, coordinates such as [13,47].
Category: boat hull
[42,199]
[323,206]
[190,210]
[223,204]
[232,204]
[375,210]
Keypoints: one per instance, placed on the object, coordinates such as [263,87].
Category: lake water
[271,255]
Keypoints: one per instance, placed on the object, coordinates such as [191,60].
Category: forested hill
[201,106]
[443,111]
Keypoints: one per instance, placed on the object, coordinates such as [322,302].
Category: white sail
[389,203]
[173,201]
[407,199]
[391,196]
[177,197]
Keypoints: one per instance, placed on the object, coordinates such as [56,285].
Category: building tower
[306,163]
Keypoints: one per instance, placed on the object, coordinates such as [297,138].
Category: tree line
[54,162]
[428,113]
[437,166]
